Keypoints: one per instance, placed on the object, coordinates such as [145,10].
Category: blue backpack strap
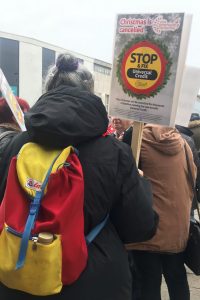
[96,230]
[34,208]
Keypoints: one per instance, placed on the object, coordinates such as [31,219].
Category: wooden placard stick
[137,140]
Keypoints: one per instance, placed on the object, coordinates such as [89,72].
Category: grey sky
[87,26]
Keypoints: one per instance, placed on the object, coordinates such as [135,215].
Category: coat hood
[66,116]
[184,130]
[164,139]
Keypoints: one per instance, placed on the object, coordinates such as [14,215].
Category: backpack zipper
[19,234]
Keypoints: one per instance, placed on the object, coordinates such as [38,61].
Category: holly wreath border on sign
[143,67]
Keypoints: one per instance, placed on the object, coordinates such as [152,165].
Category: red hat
[23,104]
[6,115]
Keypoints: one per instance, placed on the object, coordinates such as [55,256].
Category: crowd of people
[148,226]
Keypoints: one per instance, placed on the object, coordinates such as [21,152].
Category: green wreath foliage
[167,74]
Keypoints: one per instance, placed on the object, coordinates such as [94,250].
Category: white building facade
[25,62]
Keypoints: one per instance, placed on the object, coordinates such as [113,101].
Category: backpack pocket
[41,273]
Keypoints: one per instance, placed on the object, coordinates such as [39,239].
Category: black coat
[67,116]
[7,131]
[187,134]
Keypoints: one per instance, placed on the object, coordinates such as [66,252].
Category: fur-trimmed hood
[195,123]
[9,127]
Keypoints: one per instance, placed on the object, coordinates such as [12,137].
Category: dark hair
[6,115]
[68,71]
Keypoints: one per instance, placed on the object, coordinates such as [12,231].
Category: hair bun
[67,62]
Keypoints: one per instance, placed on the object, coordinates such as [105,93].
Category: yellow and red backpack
[44,193]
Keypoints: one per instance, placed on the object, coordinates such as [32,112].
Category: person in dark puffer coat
[70,114]
[8,125]
[187,134]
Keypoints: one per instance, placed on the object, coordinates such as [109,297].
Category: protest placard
[11,100]
[149,58]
